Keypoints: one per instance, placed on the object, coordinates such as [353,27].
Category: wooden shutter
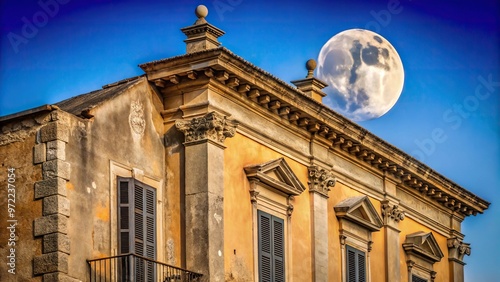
[278,244]
[361,266]
[125,216]
[265,238]
[356,265]
[415,278]
[137,224]
[271,248]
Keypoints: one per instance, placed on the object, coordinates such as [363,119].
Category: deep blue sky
[447,49]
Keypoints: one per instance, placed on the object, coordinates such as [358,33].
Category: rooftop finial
[310,85]
[201,12]
[201,35]
[310,66]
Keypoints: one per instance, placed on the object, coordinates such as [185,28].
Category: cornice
[301,111]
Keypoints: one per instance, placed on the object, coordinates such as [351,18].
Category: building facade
[207,168]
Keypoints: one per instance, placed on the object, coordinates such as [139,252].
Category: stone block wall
[52,225]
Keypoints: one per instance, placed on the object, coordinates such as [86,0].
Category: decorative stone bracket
[392,212]
[213,126]
[458,249]
[320,180]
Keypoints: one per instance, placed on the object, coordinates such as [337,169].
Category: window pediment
[360,211]
[423,245]
[276,174]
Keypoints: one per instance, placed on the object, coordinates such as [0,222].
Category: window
[136,220]
[356,265]
[422,252]
[271,248]
[272,187]
[358,219]
[415,278]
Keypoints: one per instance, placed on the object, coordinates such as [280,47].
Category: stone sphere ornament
[201,11]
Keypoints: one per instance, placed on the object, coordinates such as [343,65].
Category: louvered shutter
[361,266]
[278,244]
[415,278]
[271,248]
[137,224]
[351,265]
[149,230]
[265,239]
[125,215]
[356,265]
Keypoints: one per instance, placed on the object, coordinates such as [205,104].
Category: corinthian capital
[458,249]
[320,180]
[392,212]
[212,126]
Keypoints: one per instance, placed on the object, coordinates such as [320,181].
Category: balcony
[135,268]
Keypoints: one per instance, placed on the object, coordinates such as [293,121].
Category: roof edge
[39,109]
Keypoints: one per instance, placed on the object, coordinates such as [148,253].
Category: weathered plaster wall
[93,144]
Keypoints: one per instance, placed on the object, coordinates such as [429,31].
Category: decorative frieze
[392,212]
[212,126]
[320,180]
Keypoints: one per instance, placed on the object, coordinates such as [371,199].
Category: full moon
[364,73]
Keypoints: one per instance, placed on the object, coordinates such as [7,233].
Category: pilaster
[457,249]
[320,182]
[204,192]
[392,215]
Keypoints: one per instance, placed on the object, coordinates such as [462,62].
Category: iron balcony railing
[135,268]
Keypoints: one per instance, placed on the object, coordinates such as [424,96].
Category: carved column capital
[392,212]
[212,126]
[458,249]
[320,180]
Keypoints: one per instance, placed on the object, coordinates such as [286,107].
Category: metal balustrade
[135,268]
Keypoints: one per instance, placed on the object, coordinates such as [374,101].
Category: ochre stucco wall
[238,222]
[409,226]
[377,260]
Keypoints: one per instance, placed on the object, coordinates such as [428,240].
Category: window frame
[272,187]
[357,219]
[116,170]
